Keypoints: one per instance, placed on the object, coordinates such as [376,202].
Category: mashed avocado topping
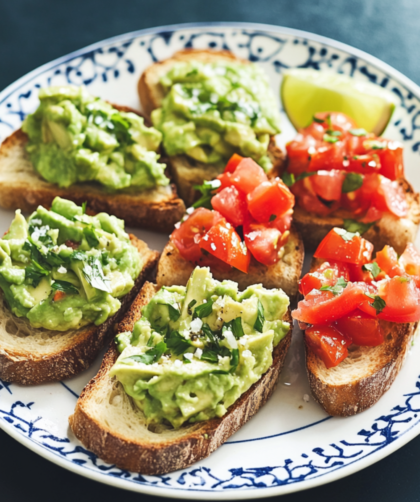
[197,348]
[63,269]
[213,110]
[75,137]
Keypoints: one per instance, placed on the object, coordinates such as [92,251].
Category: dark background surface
[33,32]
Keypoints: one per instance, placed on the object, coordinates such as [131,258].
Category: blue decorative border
[110,60]
[385,430]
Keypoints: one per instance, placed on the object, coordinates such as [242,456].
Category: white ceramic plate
[291,444]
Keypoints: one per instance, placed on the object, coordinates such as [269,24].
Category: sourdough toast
[188,172]
[397,232]
[22,187]
[34,355]
[109,424]
[285,274]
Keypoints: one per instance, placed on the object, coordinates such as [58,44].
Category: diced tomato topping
[387,260]
[410,260]
[373,214]
[247,176]
[282,223]
[59,295]
[326,275]
[233,163]
[188,236]
[225,244]
[332,145]
[328,184]
[231,204]
[263,242]
[323,307]
[361,328]
[328,344]
[401,299]
[225,180]
[391,159]
[71,244]
[390,197]
[269,200]
[335,246]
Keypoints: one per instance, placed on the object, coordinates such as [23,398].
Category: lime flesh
[305,92]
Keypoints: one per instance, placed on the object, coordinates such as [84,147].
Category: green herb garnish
[259,321]
[151,356]
[352,182]
[92,270]
[177,343]
[373,268]
[378,303]
[65,287]
[355,226]
[337,288]
[207,190]
[358,132]
[203,310]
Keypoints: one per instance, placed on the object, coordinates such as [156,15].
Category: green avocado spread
[63,269]
[212,110]
[75,137]
[198,348]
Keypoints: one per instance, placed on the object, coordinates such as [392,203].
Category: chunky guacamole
[63,269]
[75,137]
[213,110]
[197,348]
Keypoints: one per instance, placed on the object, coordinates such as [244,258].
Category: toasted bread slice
[397,232]
[108,423]
[34,355]
[359,381]
[22,187]
[285,274]
[186,171]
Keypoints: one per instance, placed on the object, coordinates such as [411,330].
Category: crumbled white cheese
[230,338]
[198,353]
[306,398]
[213,246]
[177,225]
[242,341]
[177,363]
[190,210]
[62,270]
[188,355]
[246,353]
[196,325]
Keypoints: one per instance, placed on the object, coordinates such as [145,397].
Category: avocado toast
[65,279]
[82,148]
[209,105]
[209,377]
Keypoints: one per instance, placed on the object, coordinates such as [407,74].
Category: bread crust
[344,391]
[285,274]
[397,232]
[172,453]
[188,172]
[28,368]
[22,187]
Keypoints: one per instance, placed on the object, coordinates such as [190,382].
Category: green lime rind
[305,92]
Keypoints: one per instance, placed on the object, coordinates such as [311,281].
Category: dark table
[33,32]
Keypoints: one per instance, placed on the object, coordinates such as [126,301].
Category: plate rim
[190,493]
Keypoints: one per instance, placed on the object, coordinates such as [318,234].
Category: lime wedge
[305,92]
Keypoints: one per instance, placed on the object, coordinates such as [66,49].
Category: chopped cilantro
[273,217]
[177,343]
[259,321]
[373,268]
[210,356]
[355,226]
[337,288]
[65,287]
[235,325]
[288,178]
[92,270]
[317,120]
[330,139]
[151,356]
[378,303]
[91,237]
[203,310]
[234,360]
[207,191]
[84,205]
[352,182]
